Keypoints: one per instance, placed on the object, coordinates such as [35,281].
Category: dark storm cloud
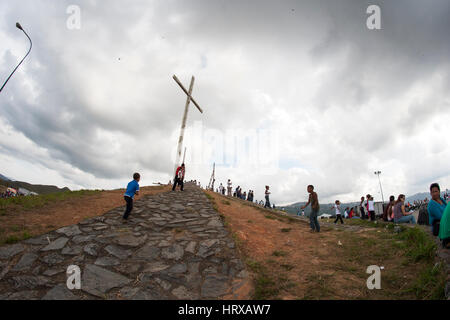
[109,84]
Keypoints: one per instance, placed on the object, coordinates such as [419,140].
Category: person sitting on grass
[400,215]
[435,207]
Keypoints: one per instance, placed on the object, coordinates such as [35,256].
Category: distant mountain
[38,188]
[2,177]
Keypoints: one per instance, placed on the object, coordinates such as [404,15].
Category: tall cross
[183,122]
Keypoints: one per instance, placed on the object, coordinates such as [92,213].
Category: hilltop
[38,188]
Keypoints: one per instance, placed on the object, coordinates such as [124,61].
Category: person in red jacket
[179,177]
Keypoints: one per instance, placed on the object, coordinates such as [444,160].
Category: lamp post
[31,45]
[378,174]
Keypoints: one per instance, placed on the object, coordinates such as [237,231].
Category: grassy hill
[38,188]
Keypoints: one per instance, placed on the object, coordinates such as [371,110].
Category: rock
[69,231]
[209,270]
[56,245]
[60,292]
[209,243]
[117,252]
[214,286]
[25,262]
[178,268]
[107,261]
[156,267]
[41,240]
[204,252]
[91,249]
[164,284]
[148,252]
[175,252]
[9,251]
[191,247]
[184,294]
[24,295]
[130,240]
[81,239]
[52,259]
[29,282]
[72,251]
[98,281]
[52,272]
[164,243]
[215,222]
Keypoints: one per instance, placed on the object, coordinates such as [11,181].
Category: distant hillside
[2,177]
[38,188]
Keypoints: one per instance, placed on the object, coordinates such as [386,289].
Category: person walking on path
[314,201]
[179,177]
[132,189]
[229,188]
[267,193]
[337,207]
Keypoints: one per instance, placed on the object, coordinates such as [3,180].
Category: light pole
[31,45]
[378,174]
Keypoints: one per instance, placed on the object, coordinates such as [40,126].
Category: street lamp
[31,45]
[378,174]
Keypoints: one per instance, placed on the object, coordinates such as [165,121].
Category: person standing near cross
[184,120]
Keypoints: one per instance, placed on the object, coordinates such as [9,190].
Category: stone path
[174,247]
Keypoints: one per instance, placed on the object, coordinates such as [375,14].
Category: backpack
[423,217]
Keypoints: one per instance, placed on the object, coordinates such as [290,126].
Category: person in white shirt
[346,213]
[229,188]
[371,207]
[337,207]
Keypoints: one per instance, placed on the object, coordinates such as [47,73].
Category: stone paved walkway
[174,247]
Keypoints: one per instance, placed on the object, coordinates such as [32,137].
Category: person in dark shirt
[314,201]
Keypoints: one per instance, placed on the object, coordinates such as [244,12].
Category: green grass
[270,217]
[31,202]
[16,238]
[418,244]
[430,283]
[226,202]
[286,229]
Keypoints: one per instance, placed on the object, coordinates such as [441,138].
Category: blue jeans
[267,202]
[406,219]
[313,221]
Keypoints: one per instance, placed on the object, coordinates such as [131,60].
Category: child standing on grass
[132,189]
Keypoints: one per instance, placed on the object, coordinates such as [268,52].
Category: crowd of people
[8,194]
[244,195]
[396,210]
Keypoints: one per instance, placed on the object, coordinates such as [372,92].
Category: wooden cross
[183,122]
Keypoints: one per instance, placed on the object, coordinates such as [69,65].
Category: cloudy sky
[293,93]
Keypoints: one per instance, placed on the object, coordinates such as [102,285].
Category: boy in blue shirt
[132,189]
